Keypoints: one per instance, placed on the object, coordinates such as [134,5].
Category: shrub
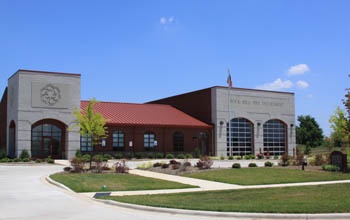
[17,160]
[249,157]
[26,160]
[175,166]
[181,156]
[118,156]
[98,159]
[260,156]
[319,160]
[67,169]
[138,155]
[276,157]
[285,160]
[222,157]
[331,168]
[9,160]
[188,156]
[165,165]
[169,156]
[38,160]
[24,154]
[129,155]
[86,157]
[236,165]
[150,155]
[300,159]
[252,165]
[2,154]
[121,167]
[238,157]
[230,157]
[78,153]
[159,155]
[108,156]
[204,163]
[4,160]
[157,164]
[49,160]
[268,164]
[196,153]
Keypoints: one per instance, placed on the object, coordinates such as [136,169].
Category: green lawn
[114,182]
[259,176]
[307,199]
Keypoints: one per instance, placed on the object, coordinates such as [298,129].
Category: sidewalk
[203,185]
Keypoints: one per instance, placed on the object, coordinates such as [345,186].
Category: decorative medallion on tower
[50,94]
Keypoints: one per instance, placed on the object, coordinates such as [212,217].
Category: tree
[341,129]
[92,124]
[308,132]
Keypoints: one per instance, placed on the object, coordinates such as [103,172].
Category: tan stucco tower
[39,114]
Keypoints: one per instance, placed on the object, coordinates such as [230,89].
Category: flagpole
[229,81]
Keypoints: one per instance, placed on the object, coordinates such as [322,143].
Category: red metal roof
[144,115]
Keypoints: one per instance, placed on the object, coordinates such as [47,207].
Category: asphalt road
[25,195]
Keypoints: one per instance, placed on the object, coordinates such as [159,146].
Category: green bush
[319,160]
[138,155]
[276,157]
[169,156]
[252,165]
[268,164]
[188,156]
[150,155]
[230,157]
[196,153]
[129,155]
[4,160]
[249,157]
[97,158]
[38,160]
[78,153]
[159,155]
[118,156]
[49,160]
[285,160]
[331,168]
[25,160]
[236,165]
[238,157]
[180,156]
[2,154]
[17,160]
[86,157]
[24,154]
[108,156]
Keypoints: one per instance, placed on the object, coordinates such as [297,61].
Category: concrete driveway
[25,195]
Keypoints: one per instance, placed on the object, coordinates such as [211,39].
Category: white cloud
[310,96]
[163,20]
[299,69]
[167,21]
[278,84]
[302,84]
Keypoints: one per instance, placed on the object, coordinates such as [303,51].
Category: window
[275,137]
[178,141]
[239,137]
[148,140]
[118,140]
[86,143]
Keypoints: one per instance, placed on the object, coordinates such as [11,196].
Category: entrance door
[48,138]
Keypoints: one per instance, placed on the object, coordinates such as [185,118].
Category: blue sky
[138,51]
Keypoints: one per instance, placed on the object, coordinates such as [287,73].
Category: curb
[53,182]
[240,215]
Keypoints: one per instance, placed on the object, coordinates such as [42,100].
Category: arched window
[148,140]
[275,137]
[118,140]
[48,139]
[239,137]
[12,139]
[178,141]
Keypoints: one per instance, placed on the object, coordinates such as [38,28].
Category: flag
[229,81]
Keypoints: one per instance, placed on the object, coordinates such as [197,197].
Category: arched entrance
[48,139]
[12,139]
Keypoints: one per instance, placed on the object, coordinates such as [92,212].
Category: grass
[307,199]
[113,182]
[260,176]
